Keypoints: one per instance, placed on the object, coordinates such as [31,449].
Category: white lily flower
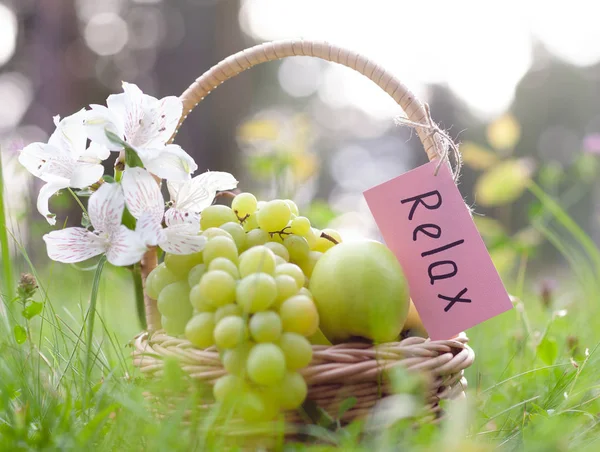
[145,123]
[121,245]
[147,205]
[189,198]
[64,161]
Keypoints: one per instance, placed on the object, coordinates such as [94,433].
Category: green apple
[359,289]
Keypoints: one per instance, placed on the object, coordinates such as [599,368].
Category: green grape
[286,288]
[199,330]
[174,300]
[217,287]
[256,237]
[311,237]
[211,233]
[293,207]
[291,270]
[195,274]
[237,232]
[250,223]
[230,332]
[271,402]
[234,359]
[279,261]
[304,291]
[222,263]
[228,388]
[291,391]
[220,247]
[174,326]
[227,310]
[216,215]
[274,216]
[158,279]
[256,292]
[297,247]
[244,204]
[307,265]
[257,259]
[200,303]
[266,364]
[322,244]
[254,407]
[279,250]
[333,234]
[299,315]
[276,238]
[265,326]
[297,350]
[300,226]
[181,264]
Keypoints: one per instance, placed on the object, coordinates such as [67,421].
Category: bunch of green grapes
[246,293]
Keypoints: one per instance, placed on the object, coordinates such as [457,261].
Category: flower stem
[84,210]
[7,274]
[91,317]
[138,286]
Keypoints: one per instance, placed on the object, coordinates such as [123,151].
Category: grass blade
[90,325]
[7,273]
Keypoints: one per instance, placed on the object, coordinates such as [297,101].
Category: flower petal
[125,247]
[73,245]
[171,162]
[95,153]
[197,194]
[149,230]
[97,121]
[33,157]
[106,206]
[46,192]
[142,194]
[70,134]
[134,101]
[182,239]
[161,121]
[175,216]
[85,174]
[59,165]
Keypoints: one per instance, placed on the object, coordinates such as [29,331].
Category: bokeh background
[517,83]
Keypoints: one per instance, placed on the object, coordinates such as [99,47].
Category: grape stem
[328,237]
[241,220]
[281,233]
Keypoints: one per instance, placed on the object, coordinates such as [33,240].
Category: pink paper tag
[425,222]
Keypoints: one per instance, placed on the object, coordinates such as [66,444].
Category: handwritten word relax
[444,268]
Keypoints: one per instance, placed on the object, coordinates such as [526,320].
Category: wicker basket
[344,370]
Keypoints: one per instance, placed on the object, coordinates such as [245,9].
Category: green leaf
[115,138]
[34,308]
[20,334]
[346,405]
[503,184]
[132,159]
[547,350]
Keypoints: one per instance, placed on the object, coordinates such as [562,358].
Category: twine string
[441,137]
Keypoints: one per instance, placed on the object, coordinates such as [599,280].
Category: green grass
[534,384]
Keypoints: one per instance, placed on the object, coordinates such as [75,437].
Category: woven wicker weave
[344,370]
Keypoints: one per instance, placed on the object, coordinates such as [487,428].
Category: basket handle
[270,51]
